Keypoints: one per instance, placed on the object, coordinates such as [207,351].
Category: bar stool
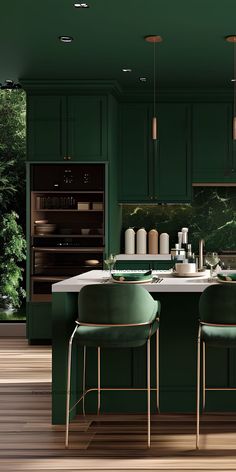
[217,327]
[114,316]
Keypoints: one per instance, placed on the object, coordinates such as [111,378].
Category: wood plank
[28,441]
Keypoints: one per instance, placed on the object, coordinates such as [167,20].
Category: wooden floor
[28,441]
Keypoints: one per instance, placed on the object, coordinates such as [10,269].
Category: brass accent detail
[94,325]
[153,39]
[231,38]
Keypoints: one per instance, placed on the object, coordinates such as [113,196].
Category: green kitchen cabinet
[39,321]
[136,153]
[172,162]
[67,128]
[87,128]
[155,171]
[46,128]
[213,150]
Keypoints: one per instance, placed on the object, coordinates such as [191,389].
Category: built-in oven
[67,223]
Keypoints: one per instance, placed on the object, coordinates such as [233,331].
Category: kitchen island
[127,367]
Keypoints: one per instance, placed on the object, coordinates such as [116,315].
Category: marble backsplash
[212,216]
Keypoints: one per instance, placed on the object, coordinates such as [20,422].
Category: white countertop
[170,283]
[143,257]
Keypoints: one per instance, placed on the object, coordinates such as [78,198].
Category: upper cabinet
[212,145]
[155,171]
[67,128]
[136,154]
[172,164]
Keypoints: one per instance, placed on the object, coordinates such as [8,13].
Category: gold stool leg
[99,380]
[84,379]
[203,375]
[148,393]
[157,371]
[198,384]
[68,387]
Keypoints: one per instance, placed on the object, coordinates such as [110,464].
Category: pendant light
[154,39]
[232,39]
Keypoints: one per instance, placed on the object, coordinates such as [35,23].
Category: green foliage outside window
[13,251]
[12,195]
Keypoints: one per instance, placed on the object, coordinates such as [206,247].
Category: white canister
[153,241]
[141,241]
[129,241]
[164,243]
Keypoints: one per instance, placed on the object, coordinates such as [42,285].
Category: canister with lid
[129,241]
[141,241]
[164,243]
[153,241]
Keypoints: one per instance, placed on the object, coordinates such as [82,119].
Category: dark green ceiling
[109,36]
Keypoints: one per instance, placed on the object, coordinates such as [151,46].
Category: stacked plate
[132,278]
[227,278]
[44,228]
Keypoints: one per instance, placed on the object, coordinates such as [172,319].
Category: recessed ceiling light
[66,39]
[126,70]
[143,79]
[81,5]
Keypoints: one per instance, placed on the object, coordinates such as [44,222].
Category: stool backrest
[115,304]
[217,304]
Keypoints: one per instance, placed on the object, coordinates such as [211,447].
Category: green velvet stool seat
[217,327]
[114,316]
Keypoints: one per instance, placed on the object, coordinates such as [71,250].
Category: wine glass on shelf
[212,260]
[110,262]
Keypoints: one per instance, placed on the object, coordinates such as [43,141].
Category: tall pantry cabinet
[72,141]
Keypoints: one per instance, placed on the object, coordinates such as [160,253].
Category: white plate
[189,274]
[226,281]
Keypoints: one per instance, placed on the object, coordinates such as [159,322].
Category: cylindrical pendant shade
[154,127]
[234,128]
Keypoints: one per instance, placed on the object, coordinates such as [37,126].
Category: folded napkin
[132,276]
[227,277]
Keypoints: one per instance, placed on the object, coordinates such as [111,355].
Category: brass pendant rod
[234,117]
[154,39]
[232,39]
